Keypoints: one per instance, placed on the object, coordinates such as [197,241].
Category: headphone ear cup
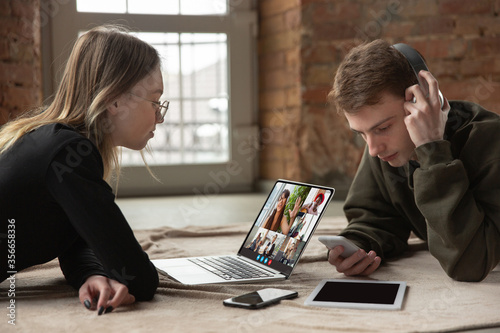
[441,99]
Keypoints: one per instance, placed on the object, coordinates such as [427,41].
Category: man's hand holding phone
[348,258]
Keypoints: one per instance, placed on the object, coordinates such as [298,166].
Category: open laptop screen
[285,224]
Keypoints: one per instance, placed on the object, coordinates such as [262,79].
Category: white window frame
[240,26]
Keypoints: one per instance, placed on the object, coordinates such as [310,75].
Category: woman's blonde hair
[105,62]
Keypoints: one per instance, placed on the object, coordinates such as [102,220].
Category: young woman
[54,198]
[277,219]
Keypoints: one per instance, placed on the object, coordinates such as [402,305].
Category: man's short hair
[368,71]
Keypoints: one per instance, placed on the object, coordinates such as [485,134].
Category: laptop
[273,246]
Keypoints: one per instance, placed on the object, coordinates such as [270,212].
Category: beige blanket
[433,302]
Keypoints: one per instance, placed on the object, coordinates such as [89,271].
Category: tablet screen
[358,294]
[334,291]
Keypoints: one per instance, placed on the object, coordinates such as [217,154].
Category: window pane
[157,7]
[194,71]
[167,45]
[202,38]
[204,65]
[100,6]
[203,7]
[158,38]
[168,7]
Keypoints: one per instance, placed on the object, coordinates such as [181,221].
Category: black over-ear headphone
[417,63]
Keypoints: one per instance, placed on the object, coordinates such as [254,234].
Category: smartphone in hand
[260,298]
[331,241]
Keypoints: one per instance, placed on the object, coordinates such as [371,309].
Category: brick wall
[280,87]
[302,42]
[20,58]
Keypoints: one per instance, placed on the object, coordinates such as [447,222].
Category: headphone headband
[417,64]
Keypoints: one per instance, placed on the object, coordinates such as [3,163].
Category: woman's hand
[296,207]
[285,225]
[104,294]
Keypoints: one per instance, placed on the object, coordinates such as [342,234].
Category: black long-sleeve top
[54,203]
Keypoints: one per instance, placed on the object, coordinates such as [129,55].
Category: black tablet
[358,294]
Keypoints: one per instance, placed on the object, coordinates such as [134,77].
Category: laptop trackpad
[193,275]
[186,272]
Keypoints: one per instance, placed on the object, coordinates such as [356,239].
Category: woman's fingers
[104,294]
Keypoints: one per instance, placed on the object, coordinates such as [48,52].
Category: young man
[428,169]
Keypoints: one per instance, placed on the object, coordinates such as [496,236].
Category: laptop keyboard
[230,268]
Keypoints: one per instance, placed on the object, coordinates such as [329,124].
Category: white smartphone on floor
[260,298]
[331,241]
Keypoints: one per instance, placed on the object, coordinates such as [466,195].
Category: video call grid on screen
[287,246]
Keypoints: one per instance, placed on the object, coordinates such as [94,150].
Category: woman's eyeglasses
[161,108]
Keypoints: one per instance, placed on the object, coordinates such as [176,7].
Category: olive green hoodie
[450,197]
